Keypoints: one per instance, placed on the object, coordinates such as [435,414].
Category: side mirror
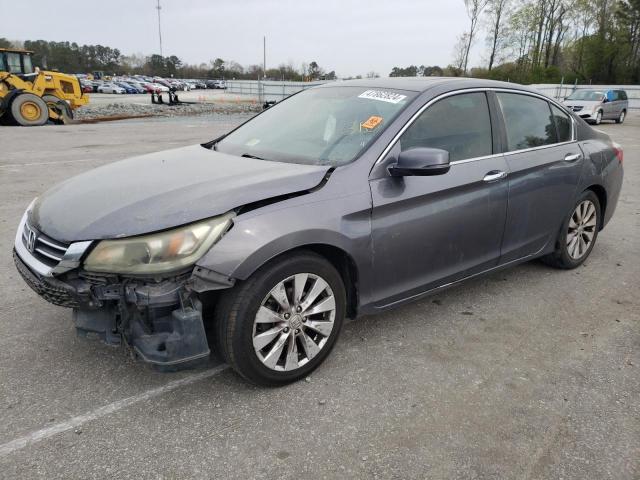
[605,100]
[421,162]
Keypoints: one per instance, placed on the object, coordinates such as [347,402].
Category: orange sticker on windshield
[372,122]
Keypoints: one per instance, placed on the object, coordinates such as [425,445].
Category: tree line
[70,57]
[546,41]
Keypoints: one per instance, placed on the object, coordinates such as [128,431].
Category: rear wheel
[281,323]
[620,119]
[29,110]
[59,109]
[578,234]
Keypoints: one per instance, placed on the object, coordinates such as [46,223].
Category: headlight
[158,252]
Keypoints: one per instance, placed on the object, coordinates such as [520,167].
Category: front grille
[52,290]
[45,249]
[577,108]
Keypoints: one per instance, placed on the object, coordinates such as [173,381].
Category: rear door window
[528,121]
[563,124]
[459,124]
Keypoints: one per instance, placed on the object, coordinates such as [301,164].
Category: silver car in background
[597,105]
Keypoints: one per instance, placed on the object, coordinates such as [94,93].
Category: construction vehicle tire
[29,110]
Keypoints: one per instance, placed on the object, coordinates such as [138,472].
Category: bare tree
[474,10]
[460,51]
[496,13]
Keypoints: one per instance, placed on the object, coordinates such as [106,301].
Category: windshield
[586,95]
[319,126]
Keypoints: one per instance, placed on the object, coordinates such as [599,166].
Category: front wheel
[578,233]
[599,117]
[29,110]
[281,323]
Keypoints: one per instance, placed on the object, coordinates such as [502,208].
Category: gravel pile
[91,112]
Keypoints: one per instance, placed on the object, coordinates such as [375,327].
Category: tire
[622,116]
[598,119]
[60,108]
[29,110]
[568,253]
[267,344]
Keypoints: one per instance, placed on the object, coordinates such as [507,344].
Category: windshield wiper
[248,155]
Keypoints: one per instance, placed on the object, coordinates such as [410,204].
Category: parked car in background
[127,88]
[162,81]
[159,88]
[218,84]
[87,87]
[110,88]
[148,87]
[345,199]
[137,86]
[597,105]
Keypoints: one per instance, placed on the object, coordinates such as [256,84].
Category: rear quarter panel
[601,166]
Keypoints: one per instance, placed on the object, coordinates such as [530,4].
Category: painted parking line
[38,164]
[37,436]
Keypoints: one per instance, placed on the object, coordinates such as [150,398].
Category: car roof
[421,84]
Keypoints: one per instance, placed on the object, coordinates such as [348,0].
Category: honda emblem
[31,240]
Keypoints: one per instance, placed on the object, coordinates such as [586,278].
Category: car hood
[163,190]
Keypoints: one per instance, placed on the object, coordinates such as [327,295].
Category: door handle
[572,157]
[494,175]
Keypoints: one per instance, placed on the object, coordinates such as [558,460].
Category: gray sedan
[344,200]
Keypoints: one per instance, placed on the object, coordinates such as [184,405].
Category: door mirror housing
[421,162]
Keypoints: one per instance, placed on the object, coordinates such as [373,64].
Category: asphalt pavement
[528,373]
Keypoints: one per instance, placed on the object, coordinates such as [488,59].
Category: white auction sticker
[383,96]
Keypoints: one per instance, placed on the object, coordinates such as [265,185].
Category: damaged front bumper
[161,319]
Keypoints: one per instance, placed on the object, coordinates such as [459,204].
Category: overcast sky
[349,36]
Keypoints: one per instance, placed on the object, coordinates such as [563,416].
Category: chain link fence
[267,91]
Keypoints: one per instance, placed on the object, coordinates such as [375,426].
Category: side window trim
[555,123]
[493,90]
[498,128]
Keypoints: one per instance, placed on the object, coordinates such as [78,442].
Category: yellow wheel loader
[31,97]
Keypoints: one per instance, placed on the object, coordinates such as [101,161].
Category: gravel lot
[530,373]
[105,105]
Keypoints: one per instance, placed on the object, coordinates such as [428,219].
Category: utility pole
[158,7]
[264,56]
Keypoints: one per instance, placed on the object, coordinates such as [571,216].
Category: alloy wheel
[294,322]
[582,229]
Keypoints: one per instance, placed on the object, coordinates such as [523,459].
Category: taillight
[618,152]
